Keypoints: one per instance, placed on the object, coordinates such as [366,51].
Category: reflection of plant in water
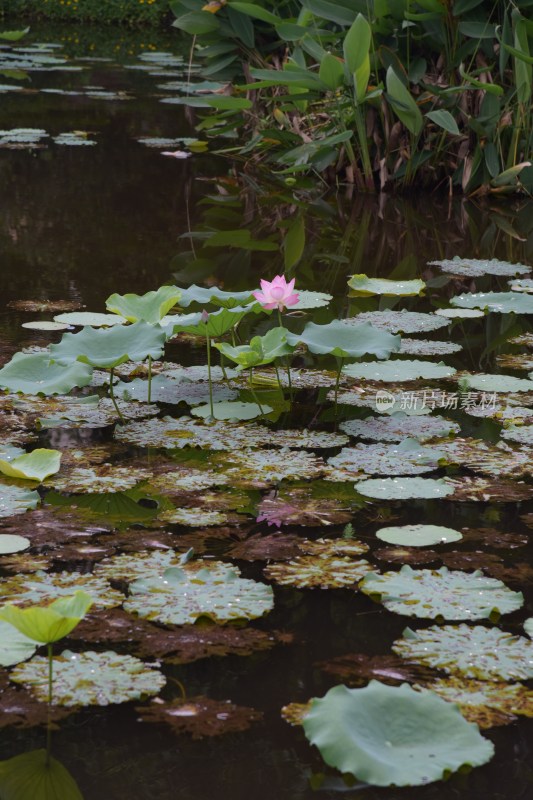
[36,776]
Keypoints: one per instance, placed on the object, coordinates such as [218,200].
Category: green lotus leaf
[393,735]
[261,350]
[100,479]
[140,565]
[11,543]
[496,383]
[45,325]
[109,348]
[212,294]
[363,286]
[90,679]
[325,564]
[38,776]
[14,646]
[396,427]
[218,323]
[168,390]
[43,587]
[497,302]
[478,267]
[418,535]
[427,347]
[50,623]
[483,702]
[407,458]
[475,652]
[460,313]
[36,373]
[521,285]
[398,321]
[404,488]
[150,307]
[523,434]
[34,466]
[262,468]
[15,500]
[398,370]
[346,341]
[193,517]
[308,300]
[528,627]
[451,595]
[231,410]
[92,318]
[182,595]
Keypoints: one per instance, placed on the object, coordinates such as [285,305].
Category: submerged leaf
[200,716]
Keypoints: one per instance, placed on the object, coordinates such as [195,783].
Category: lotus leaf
[99,480]
[183,595]
[233,411]
[419,535]
[14,500]
[91,412]
[363,732]
[407,458]
[497,302]
[440,593]
[497,383]
[150,307]
[141,565]
[528,627]
[263,468]
[261,350]
[50,623]
[485,703]
[14,646]
[399,321]
[29,590]
[109,348]
[45,325]
[200,716]
[478,267]
[327,564]
[38,776]
[346,341]
[523,434]
[203,296]
[396,427]
[35,373]
[362,285]
[398,370]
[459,313]
[90,679]
[521,285]
[34,466]
[485,654]
[169,390]
[193,517]
[426,347]
[404,488]
[217,324]
[308,300]
[416,403]
[92,318]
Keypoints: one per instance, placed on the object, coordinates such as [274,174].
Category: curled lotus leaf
[90,679]
[100,479]
[362,732]
[419,535]
[485,703]
[216,325]
[141,565]
[404,488]
[427,347]
[442,593]
[200,716]
[169,390]
[93,318]
[42,587]
[363,286]
[326,564]
[262,468]
[184,594]
[399,321]
[35,373]
[16,500]
[193,517]
[14,645]
[111,347]
[34,466]
[346,341]
[497,302]
[486,654]
[478,267]
[407,458]
[397,370]
[150,307]
[497,383]
[398,426]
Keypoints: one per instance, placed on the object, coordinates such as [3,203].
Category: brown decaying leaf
[294,713]
[24,562]
[527,519]
[407,555]
[356,669]
[466,560]
[492,537]
[18,708]
[276,546]
[298,507]
[135,540]
[489,491]
[83,550]
[50,526]
[200,716]
[520,573]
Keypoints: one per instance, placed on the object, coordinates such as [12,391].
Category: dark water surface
[83,222]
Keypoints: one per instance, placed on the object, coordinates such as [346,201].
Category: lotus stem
[50,690]
[208,340]
[280,319]
[149,379]
[254,395]
[112,396]
[278,377]
[339,370]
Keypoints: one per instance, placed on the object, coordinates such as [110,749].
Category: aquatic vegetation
[39,374]
[419,535]
[34,466]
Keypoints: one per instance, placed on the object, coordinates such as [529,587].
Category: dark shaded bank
[125,12]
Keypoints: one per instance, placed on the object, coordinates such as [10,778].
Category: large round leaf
[42,587]
[442,593]
[398,321]
[14,500]
[38,776]
[478,267]
[110,347]
[404,488]
[35,373]
[14,646]
[150,307]
[407,458]
[346,341]
[34,466]
[497,383]
[393,735]
[398,370]
[418,535]
[363,286]
[92,318]
[399,426]
[499,302]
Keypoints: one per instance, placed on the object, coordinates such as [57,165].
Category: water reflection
[36,776]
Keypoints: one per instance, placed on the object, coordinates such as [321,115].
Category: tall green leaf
[357,43]
[403,103]
[294,242]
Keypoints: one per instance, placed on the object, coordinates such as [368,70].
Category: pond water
[82,222]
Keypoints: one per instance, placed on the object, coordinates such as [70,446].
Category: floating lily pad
[478,267]
[523,434]
[193,517]
[497,383]
[356,669]
[231,411]
[398,370]
[484,703]
[521,285]
[528,627]
[362,286]
[26,590]
[362,732]
[407,458]
[140,565]
[459,313]
[398,426]
[328,564]
[90,679]
[15,500]
[274,547]
[99,479]
[44,306]
[407,555]
[34,466]
[440,593]
[37,374]
[475,652]
[518,361]
[45,325]
[262,468]
[200,716]
[183,595]
[419,535]
[497,302]
[74,139]
[346,340]
[10,543]
[399,321]
[404,488]
[491,537]
[427,347]
[108,348]
[413,403]
[168,390]
[14,646]
[92,318]
[89,412]
[187,479]
[22,138]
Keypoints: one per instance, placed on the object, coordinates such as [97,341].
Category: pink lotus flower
[277,294]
